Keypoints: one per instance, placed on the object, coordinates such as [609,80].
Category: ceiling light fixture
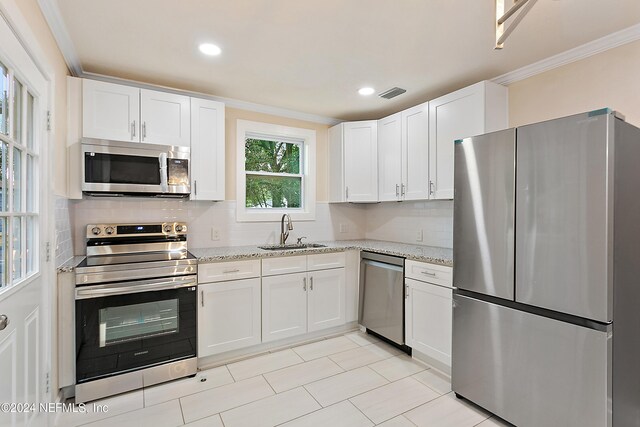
[210,49]
[365,91]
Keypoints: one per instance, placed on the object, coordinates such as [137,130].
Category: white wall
[201,217]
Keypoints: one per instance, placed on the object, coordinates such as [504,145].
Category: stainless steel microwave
[113,168]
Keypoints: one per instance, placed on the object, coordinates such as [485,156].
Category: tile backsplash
[397,222]
[63,244]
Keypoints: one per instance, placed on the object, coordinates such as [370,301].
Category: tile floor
[351,380]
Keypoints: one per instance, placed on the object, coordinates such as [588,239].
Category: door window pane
[31,244]
[3,251]
[17,180]
[4,100]
[17,110]
[16,253]
[30,122]
[4,201]
[135,321]
[31,184]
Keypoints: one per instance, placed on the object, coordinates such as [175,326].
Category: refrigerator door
[483,214]
[530,370]
[562,210]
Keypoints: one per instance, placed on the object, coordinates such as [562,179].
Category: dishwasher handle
[383,265]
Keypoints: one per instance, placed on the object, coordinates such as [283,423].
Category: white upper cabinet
[110,111]
[207,150]
[336,164]
[361,161]
[474,110]
[165,118]
[415,153]
[390,157]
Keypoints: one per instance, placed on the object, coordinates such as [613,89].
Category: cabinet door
[454,116]
[326,299]
[336,164]
[165,118]
[428,314]
[284,306]
[415,153]
[110,111]
[390,157]
[361,161]
[207,150]
[228,316]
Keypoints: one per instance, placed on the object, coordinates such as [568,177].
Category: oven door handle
[99,291]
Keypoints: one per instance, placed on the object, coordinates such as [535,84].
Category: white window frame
[249,129]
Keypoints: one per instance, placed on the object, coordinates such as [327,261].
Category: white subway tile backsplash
[63,243]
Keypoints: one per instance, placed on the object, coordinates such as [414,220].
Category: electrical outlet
[419,236]
[344,228]
[215,234]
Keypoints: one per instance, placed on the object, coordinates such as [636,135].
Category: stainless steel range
[135,308]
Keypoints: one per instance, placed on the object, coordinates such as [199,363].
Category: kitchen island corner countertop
[429,254]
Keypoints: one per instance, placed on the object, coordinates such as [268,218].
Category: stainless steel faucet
[285,234]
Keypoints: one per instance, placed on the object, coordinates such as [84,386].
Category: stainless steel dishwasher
[381,307]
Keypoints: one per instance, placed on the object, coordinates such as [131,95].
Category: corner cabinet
[207,150]
[353,162]
[124,113]
[474,110]
[428,312]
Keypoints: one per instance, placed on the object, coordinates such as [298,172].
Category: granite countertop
[430,254]
[69,265]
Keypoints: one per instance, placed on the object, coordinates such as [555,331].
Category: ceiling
[313,55]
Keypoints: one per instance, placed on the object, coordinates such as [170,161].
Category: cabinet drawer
[326,261]
[230,270]
[431,273]
[284,265]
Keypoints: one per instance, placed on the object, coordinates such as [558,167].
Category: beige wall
[231,117]
[608,79]
[54,59]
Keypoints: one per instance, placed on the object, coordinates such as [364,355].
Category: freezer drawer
[530,370]
[483,213]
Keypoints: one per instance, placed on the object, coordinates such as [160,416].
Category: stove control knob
[109,230]
[96,230]
[181,228]
[167,228]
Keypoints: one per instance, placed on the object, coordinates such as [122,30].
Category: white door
[390,157]
[110,111]
[228,316]
[361,161]
[25,344]
[165,118]
[284,306]
[326,299]
[454,116]
[207,150]
[428,325]
[415,149]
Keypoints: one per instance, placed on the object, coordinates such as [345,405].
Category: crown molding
[52,15]
[610,41]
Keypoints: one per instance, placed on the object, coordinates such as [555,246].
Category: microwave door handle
[164,178]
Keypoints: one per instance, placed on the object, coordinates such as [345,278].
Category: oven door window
[123,333]
[137,321]
[102,168]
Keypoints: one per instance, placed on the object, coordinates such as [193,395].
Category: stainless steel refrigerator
[546,318]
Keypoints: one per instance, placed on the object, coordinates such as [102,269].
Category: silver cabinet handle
[304,283]
[133,129]
[202,298]
[195,187]
[311,284]
[431,187]
[397,190]
[144,130]
[347,193]
[235,270]
[402,190]
[4,321]
[406,292]
[428,273]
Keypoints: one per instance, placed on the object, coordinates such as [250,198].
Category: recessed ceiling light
[209,49]
[366,91]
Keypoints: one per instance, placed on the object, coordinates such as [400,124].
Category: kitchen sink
[292,246]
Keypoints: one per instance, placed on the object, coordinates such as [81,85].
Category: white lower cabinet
[284,306]
[428,319]
[228,316]
[294,304]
